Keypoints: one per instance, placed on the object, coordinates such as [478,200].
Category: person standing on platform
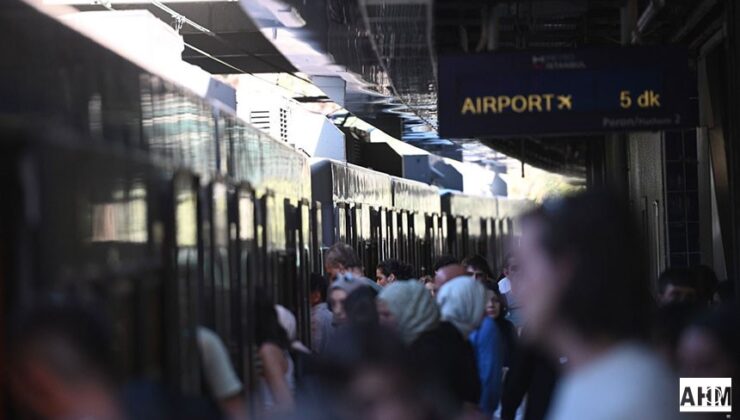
[447,268]
[573,277]
[391,270]
[276,383]
[321,317]
[441,355]
[341,259]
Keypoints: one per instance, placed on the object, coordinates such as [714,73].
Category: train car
[382,217]
[416,217]
[471,222]
[355,202]
[123,190]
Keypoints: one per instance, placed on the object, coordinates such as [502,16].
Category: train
[123,190]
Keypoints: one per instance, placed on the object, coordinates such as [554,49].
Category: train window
[244,273]
[220,269]
[341,223]
[181,348]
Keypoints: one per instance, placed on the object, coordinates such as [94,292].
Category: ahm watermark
[706,395]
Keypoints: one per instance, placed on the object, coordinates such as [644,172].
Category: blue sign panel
[578,91]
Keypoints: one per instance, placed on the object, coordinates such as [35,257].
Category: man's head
[677,284]
[391,270]
[477,268]
[340,259]
[578,258]
[447,268]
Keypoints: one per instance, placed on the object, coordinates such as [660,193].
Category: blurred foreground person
[61,366]
[677,284]
[710,346]
[321,316]
[374,378]
[219,374]
[275,366]
[341,259]
[578,259]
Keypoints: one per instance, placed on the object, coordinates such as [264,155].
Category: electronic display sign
[576,91]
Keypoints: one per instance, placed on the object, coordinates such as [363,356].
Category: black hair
[267,328]
[360,307]
[594,232]
[317,283]
[400,269]
[677,276]
[342,254]
[504,304]
[444,261]
[478,262]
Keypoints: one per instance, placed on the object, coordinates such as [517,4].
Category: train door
[246,249]
[404,225]
[303,309]
[444,234]
[182,291]
[376,236]
[340,223]
[385,235]
[394,234]
[288,257]
[220,268]
[317,239]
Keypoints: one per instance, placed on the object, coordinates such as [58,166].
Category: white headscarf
[412,306]
[462,301]
[287,320]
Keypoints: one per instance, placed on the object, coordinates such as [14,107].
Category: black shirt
[445,358]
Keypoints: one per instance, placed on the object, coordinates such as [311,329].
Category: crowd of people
[570,329]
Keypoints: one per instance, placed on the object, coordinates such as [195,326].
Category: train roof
[415,196]
[347,183]
[457,203]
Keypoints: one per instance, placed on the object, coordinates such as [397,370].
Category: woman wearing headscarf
[442,354]
[341,288]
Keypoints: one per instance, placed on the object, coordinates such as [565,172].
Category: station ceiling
[386,50]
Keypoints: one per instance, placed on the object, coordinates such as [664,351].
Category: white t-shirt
[628,382]
[217,368]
